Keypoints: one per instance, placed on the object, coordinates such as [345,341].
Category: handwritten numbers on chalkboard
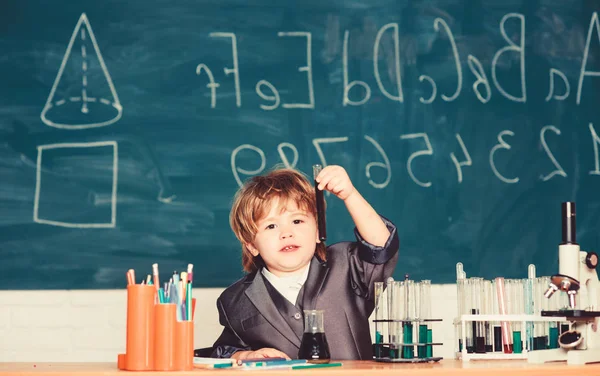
[502,145]
[458,164]
[427,151]
[236,170]
[559,170]
[595,141]
[318,141]
[385,165]
[273,98]
[284,158]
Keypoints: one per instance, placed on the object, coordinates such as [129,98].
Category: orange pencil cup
[184,345]
[140,328]
[164,337]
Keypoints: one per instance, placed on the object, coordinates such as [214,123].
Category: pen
[277,363]
[253,360]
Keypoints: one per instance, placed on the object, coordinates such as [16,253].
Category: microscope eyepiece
[568,223]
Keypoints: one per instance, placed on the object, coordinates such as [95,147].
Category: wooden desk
[352,368]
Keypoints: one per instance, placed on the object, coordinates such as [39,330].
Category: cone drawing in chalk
[83,95]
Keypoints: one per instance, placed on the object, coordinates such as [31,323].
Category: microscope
[577,278]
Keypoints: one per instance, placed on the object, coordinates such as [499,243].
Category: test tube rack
[406,351]
[524,319]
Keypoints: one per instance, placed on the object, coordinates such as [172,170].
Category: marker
[183,283]
[275,363]
[155,276]
[190,268]
[131,277]
[212,363]
[320,204]
[188,301]
[310,365]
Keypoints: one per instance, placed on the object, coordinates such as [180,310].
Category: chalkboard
[127,126]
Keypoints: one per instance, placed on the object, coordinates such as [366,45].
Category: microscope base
[573,357]
[543,356]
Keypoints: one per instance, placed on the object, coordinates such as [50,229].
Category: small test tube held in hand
[320,198]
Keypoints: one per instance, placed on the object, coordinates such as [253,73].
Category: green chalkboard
[127,126]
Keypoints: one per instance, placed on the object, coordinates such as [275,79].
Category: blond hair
[252,201]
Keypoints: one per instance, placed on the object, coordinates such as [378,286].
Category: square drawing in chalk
[76,185]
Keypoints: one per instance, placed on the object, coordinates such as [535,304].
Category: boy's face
[286,239]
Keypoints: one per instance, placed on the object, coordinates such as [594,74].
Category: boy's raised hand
[336,180]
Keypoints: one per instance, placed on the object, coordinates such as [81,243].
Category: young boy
[290,270]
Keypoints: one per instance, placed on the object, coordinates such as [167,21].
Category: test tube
[417,320]
[517,308]
[425,332]
[478,326]
[544,306]
[539,329]
[488,294]
[529,307]
[378,291]
[393,310]
[320,200]
[407,325]
[553,305]
[460,297]
[470,328]
[497,329]
[503,310]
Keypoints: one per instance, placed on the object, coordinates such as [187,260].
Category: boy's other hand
[265,352]
[336,180]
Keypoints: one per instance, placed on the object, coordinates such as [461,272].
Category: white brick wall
[89,325]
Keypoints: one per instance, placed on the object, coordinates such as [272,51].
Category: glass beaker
[314,347]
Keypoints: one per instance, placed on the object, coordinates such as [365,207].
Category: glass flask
[314,347]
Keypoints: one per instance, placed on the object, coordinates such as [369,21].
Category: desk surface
[353,368]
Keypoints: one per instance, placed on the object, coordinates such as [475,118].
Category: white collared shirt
[290,286]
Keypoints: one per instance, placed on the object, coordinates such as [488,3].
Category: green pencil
[324,365]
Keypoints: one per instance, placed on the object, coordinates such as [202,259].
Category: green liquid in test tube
[408,352]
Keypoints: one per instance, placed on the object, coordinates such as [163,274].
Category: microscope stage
[572,313]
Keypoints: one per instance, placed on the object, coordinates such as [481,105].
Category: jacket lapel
[312,287]
[260,297]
